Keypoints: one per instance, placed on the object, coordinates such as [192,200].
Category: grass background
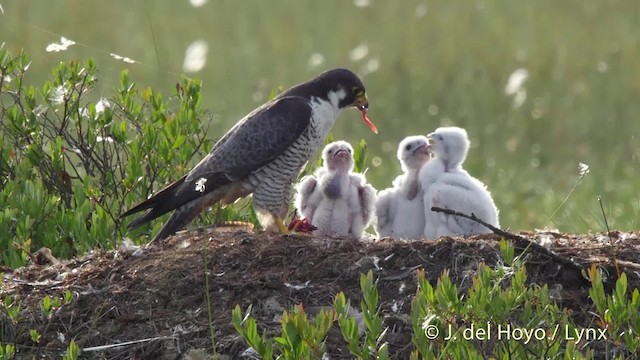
[427,64]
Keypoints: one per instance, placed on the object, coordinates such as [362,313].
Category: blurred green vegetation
[426,64]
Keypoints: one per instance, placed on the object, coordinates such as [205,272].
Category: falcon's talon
[283,229]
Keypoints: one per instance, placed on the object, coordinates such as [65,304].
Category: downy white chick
[447,185]
[400,209]
[336,201]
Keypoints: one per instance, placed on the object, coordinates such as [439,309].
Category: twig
[520,241]
[615,249]
[134,342]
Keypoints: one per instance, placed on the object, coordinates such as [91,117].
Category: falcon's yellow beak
[361,102]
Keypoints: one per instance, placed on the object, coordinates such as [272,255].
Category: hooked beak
[362,104]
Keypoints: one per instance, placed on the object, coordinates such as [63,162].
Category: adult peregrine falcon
[262,154]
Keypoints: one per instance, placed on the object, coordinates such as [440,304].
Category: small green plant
[373,346]
[500,317]
[7,351]
[299,339]
[618,314]
[73,351]
[302,339]
[247,328]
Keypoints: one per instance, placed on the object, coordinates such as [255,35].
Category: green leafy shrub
[617,313]
[70,163]
[500,316]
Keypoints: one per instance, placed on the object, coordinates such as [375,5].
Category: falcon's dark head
[346,87]
[339,86]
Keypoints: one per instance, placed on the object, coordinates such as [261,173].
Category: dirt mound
[158,293]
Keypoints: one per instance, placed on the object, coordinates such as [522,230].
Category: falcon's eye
[357,91]
[408,147]
[349,150]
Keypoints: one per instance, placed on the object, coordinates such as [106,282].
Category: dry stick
[519,240]
[613,246]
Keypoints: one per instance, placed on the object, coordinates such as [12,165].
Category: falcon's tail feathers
[173,197]
[157,199]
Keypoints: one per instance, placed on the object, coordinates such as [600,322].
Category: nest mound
[157,293]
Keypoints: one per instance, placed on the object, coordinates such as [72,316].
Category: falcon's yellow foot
[281,226]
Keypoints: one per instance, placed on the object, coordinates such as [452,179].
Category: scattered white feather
[102,105]
[400,209]
[122,58]
[195,57]
[107,139]
[200,187]
[334,199]
[545,240]
[298,287]
[359,52]
[127,246]
[57,95]
[61,46]
[447,185]
[250,353]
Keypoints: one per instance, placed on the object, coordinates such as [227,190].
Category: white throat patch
[336,96]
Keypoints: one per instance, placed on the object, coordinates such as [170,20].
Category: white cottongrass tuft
[197,3]
[196,56]
[361,3]
[61,46]
[371,66]
[583,169]
[516,80]
[123,58]
[316,60]
[58,95]
[102,105]
[359,52]
[421,10]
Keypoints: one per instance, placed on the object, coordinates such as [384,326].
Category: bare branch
[521,243]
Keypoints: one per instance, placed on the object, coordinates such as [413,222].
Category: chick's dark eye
[349,150]
[408,147]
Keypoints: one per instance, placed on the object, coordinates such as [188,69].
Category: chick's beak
[362,103]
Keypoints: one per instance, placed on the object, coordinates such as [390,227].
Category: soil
[157,293]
